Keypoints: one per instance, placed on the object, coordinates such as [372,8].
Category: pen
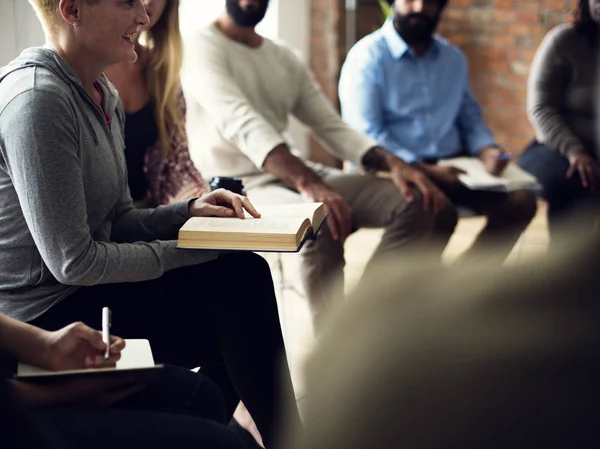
[106,331]
[505,156]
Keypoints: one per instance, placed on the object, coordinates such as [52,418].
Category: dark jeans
[566,197]
[221,316]
[180,410]
[508,215]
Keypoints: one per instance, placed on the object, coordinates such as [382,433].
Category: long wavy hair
[584,24]
[163,58]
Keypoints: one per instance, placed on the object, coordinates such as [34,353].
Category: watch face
[234,185]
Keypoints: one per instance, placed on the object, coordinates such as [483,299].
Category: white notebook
[477,177]
[137,355]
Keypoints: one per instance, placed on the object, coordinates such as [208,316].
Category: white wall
[19,29]
[292,24]
[286,19]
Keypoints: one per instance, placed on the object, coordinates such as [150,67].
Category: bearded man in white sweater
[241,89]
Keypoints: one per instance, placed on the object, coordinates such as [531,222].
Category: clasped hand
[587,168]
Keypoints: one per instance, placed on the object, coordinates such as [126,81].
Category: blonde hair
[163,61]
[47,12]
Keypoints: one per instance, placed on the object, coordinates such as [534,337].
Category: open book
[282,228]
[136,356]
[477,177]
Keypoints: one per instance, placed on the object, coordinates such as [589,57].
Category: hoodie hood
[45,58]
[42,57]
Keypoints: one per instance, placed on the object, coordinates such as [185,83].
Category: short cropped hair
[47,11]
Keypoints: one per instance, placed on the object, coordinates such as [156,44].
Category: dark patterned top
[166,176]
[141,133]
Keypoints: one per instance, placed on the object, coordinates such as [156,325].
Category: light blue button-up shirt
[416,107]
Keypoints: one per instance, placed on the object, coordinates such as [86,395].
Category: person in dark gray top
[561,106]
[71,240]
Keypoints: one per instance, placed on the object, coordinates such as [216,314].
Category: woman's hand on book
[222,203]
[77,346]
[102,390]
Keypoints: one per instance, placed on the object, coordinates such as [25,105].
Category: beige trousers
[375,203]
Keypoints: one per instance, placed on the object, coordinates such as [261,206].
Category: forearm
[21,341]
[552,129]
[146,225]
[290,169]
[377,159]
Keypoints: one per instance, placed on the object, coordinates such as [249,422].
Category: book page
[515,174]
[136,354]
[300,210]
[263,225]
[477,175]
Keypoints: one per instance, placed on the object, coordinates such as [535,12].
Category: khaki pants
[375,203]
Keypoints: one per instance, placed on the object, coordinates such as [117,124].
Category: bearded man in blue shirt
[408,89]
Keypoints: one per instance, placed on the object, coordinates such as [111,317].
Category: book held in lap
[135,357]
[281,228]
[477,177]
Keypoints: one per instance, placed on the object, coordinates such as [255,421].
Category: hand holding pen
[77,346]
[495,159]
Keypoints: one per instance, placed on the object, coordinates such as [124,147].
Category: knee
[446,219]
[246,262]
[522,205]
[324,244]
[182,389]
[415,216]
[208,400]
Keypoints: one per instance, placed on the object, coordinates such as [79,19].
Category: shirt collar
[398,46]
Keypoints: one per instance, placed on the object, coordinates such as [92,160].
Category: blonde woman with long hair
[156,147]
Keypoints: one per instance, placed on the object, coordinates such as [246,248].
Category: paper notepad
[477,177]
[137,355]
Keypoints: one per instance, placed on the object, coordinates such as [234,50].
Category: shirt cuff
[360,155]
[181,209]
[477,146]
[407,156]
[259,156]
[574,150]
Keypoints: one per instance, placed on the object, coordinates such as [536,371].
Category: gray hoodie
[66,215]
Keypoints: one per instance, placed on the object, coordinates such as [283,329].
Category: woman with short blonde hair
[72,242]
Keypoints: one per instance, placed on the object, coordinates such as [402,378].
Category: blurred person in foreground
[512,362]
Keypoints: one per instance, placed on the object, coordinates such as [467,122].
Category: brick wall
[499,38]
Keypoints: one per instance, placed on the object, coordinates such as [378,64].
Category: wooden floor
[293,307]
